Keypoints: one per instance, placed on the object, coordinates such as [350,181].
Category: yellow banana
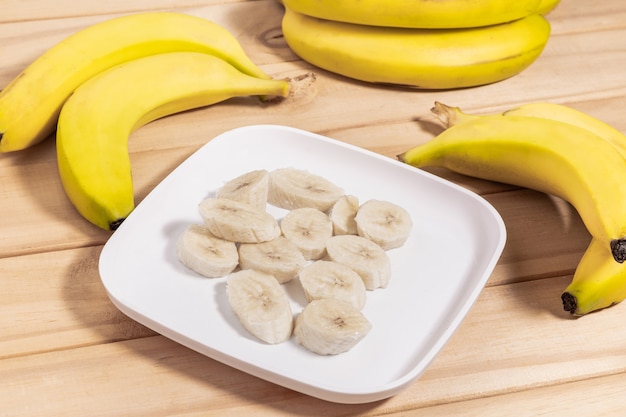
[598,282]
[574,117]
[429,59]
[30,104]
[545,155]
[96,121]
[450,116]
[417,13]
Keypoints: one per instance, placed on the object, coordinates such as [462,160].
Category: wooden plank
[603,396]
[545,236]
[28,10]
[56,301]
[515,339]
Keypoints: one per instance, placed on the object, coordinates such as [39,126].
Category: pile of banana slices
[335,246]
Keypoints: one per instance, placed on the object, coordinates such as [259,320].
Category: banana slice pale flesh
[279,257]
[238,222]
[343,213]
[309,229]
[384,223]
[327,279]
[292,188]
[250,188]
[261,305]
[199,250]
[330,326]
[368,259]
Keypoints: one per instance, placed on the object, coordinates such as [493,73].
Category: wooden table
[66,350]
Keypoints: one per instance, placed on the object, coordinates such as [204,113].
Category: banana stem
[450,116]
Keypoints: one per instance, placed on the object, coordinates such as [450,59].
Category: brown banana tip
[570,303]
[115,224]
[618,249]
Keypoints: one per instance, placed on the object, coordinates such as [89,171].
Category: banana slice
[238,222]
[328,279]
[368,259]
[309,229]
[342,215]
[384,223]
[292,188]
[206,254]
[250,188]
[279,257]
[330,326]
[261,305]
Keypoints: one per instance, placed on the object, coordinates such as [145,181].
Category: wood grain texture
[66,350]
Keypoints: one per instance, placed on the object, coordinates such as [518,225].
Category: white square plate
[437,275]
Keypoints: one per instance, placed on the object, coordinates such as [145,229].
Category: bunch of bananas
[557,150]
[419,43]
[100,84]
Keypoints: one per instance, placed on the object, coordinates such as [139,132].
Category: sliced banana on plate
[384,223]
[261,305]
[328,279]
[368,259]
[250,188]
[342,215]
[309,229]
[237,221]
[292,188]
[330,326]
[279,257]
[199,250]
[336,248]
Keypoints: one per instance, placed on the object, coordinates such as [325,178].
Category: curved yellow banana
[544,155]
[30,104]
[451,116]
[96,121]
[598,282]
[574,117]
[546,6]
[428,59]
[419,14]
